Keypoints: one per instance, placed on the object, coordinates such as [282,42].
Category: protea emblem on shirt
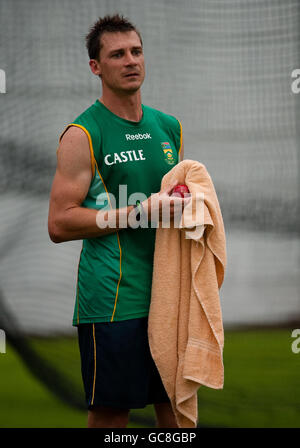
[168,153]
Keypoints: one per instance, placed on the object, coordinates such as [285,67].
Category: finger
[171,186]
[176,195]
[187,201]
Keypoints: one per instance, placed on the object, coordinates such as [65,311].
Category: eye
[137,51]
[117,55]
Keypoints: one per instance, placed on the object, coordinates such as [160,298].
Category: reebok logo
[138,136]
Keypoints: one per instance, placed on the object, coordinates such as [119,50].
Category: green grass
[262,382]
[26,403]
[261,387]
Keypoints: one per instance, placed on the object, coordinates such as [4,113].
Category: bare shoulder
[73,170]
[73,132]
[73,153]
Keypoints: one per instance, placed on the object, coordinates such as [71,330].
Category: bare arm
[67,219]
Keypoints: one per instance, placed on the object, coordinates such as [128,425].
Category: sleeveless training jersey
[115,271]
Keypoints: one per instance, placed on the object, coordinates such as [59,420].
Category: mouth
[131,75]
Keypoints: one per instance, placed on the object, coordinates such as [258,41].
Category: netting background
[224,69]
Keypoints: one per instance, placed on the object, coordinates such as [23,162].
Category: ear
[95,67]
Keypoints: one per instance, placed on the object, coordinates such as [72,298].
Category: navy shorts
[116,365]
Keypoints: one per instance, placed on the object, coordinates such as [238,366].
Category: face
[121,62]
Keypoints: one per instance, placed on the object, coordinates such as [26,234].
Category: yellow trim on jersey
[90,143]
[180,136]
[94,382]
[116,298]
[112,317]
[103,183]
[77,301]
[77,289]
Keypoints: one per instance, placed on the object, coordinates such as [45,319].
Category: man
[116,142]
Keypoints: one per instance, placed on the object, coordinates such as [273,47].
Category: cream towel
[185,327]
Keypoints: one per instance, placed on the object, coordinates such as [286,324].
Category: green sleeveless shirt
[115,271]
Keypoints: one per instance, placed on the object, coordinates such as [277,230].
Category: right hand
[162,201]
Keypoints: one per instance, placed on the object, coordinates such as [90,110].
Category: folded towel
[185,327]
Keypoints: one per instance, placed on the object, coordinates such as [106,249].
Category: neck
[127,106]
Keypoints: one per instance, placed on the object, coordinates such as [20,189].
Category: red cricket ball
[179,190]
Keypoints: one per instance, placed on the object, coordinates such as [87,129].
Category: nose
[129,60]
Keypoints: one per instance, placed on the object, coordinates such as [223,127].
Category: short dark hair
[107,24]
